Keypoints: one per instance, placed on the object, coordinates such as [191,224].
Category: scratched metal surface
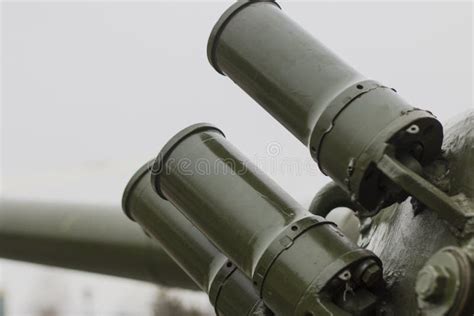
[405,239]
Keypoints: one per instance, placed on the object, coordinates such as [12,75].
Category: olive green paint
[321,100]
[258,226]
[84,237]
[191,250]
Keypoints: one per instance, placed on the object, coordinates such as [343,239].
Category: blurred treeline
[166,304]
[170,305]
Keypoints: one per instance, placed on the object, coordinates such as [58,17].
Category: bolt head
[431,282]
[372,275]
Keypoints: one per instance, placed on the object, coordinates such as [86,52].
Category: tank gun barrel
[90,238]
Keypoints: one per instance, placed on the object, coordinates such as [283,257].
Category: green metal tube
[230,292]
[286,70]
[321,100]
[257,225]
[221,192]
[330,197]
[84,237]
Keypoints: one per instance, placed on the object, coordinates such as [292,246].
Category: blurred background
[91,90]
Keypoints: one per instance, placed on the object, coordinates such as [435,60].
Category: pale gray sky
[91,90]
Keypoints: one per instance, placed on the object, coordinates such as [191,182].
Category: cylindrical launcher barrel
[230,292]
[346,120]
[291,255]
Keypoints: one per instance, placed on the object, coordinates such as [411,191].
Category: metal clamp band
[282,242]
[222,275]
[325,122]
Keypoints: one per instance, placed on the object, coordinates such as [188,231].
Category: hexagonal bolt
[372,275]
[430,282]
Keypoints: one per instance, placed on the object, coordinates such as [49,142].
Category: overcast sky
[92,90]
